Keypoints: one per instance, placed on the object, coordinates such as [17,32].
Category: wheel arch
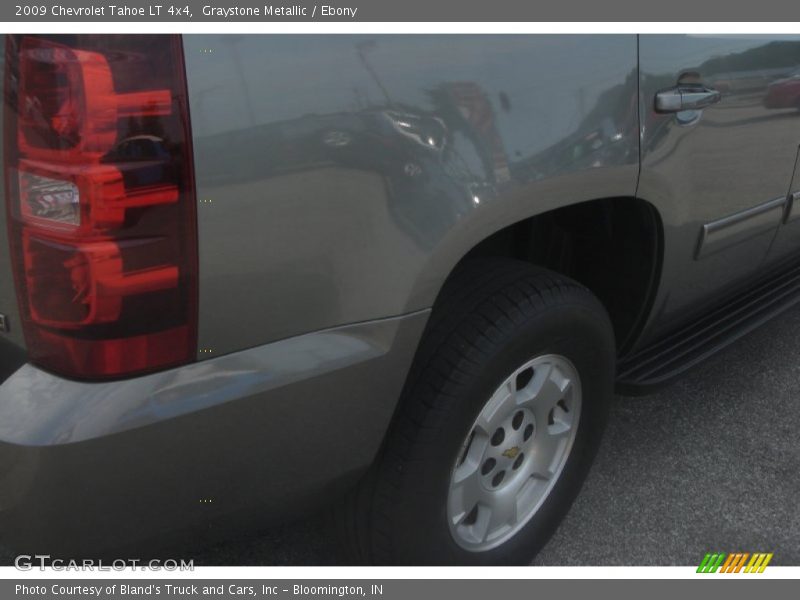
[612,245]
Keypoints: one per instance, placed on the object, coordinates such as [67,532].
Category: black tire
[491,317]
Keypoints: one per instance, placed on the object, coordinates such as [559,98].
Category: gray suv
[397,277]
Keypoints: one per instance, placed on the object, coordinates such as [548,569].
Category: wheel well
[613,246]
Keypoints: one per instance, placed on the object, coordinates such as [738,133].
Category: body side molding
[732,229]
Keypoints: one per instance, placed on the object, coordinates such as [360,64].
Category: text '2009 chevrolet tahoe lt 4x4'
[396,276]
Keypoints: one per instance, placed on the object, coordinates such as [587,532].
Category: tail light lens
[100,200]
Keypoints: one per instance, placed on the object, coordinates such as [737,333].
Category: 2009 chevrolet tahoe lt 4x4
[251,274]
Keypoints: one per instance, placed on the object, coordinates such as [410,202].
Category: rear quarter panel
[340,178]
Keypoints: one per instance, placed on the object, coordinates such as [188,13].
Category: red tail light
[100,199]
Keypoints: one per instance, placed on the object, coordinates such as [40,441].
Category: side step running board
[662,361]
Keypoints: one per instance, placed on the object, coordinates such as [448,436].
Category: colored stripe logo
[737,562]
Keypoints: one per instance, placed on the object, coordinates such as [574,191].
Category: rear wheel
[498,424]
[514,453]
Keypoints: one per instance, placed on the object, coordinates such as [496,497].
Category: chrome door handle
[686,97]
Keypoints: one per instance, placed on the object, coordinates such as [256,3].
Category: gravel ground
[710,463]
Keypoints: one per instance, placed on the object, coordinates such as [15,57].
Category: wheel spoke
[465,493]
[562,419]
[543,391]
[504,509]
[482,522]
[488,416]
[547,450]
[549,410]
[472,455]
[534,387]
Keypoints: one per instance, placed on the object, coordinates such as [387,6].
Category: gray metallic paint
[258,429]
[358,220]
[349,176]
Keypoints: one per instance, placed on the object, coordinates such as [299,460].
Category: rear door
[717,159]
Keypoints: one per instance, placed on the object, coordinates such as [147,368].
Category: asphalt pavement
[711,463]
